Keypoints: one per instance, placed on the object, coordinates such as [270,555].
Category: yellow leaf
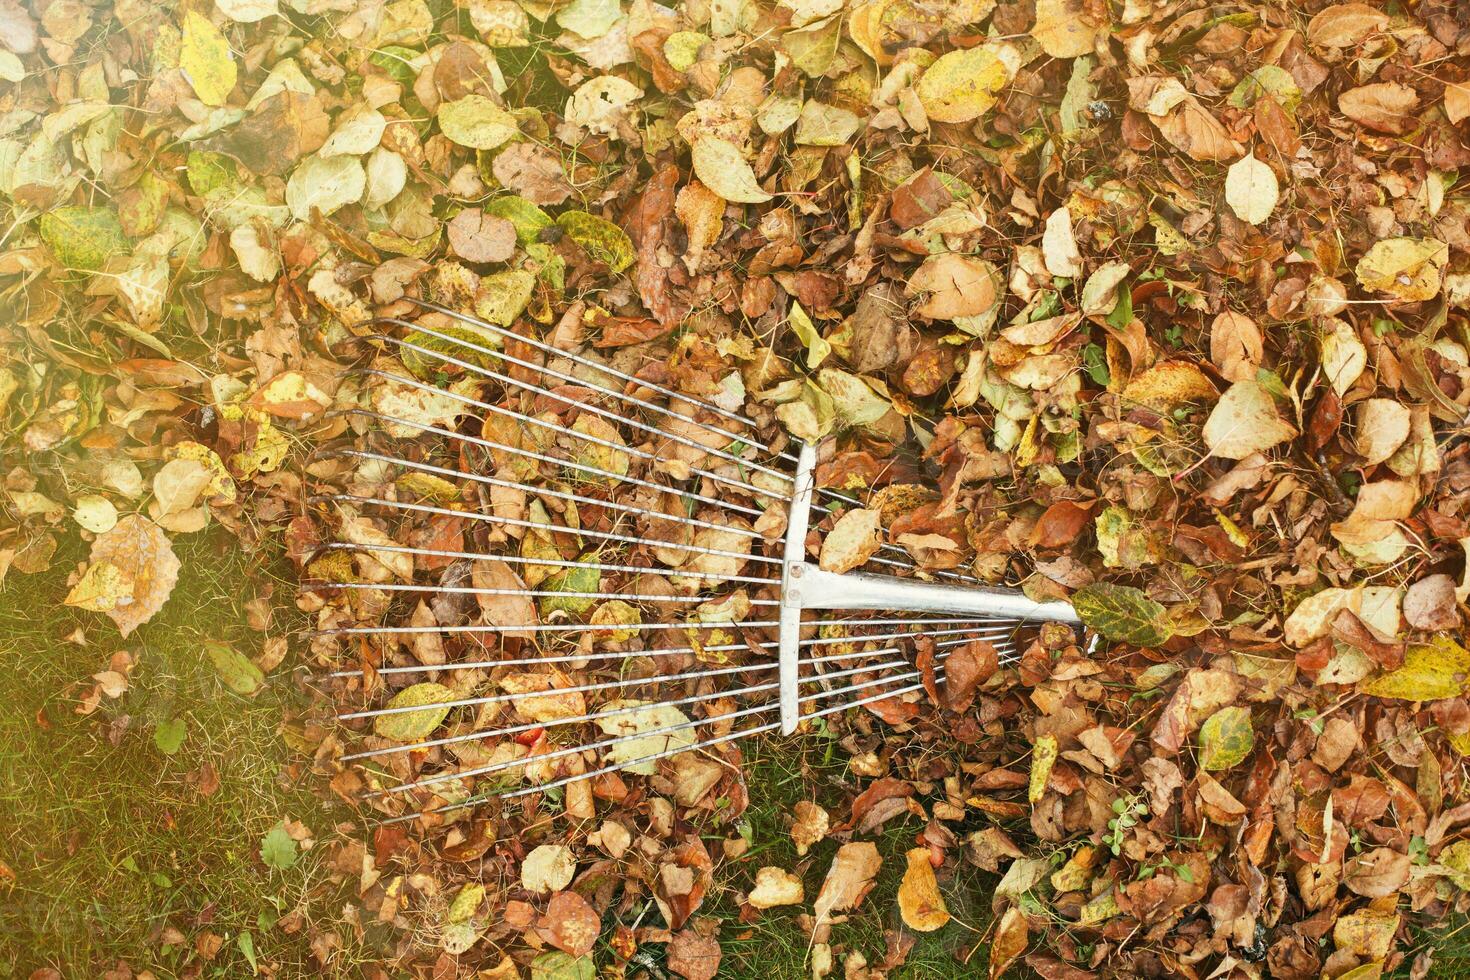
[1011,937]
[720,166]
[852,541]
[1430,672]
[1244,422]
[137,576]
[204,56]
[102,588]
[918,896]
[963,85]
[848,880]
[1063,29]
[1043,757]
[1409,269]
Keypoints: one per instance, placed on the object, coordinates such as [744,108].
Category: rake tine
[619,739]
[580,719]
[552,460]
[549,562]
[531,593]
[538,526]
[605,369]
[725,624]
[772,726]
[626,654]
[557,691]
[582,406]
[789,457]
[533,725]
[547,492]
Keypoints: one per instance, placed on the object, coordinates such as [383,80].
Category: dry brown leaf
[848,880]
[1388,107]
[132,572]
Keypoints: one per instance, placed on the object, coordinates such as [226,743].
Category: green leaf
[529,219]
[557,965]
[571,580]
[83,237]
[277,849]
[235,669]
[1226,739]
[169,735]
[1123,613]
[410,726]
[245,942]
[601,239]
[1430,672]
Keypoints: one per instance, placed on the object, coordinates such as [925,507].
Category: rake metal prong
[548,492]
[617,740]
[790,457]
[490,444]
[565,399]
[549,562]
[533,725]
[605,369]
[725,624]
[532,593]
[772,726]
[643,706]
[539,526]
[625,654]
[558,691]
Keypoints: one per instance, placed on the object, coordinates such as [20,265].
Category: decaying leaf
[132,572]
[919,901]
[1245,421]
[854,539]
[848,880]
[1251,190]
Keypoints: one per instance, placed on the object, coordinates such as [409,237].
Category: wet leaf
[919,901]
[1122,613]
[411,726]
[1226,739]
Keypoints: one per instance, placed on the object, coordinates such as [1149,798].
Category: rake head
[590,572]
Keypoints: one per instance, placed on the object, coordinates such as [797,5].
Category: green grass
[781,773]
[109,840]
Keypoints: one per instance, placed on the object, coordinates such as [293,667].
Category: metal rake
[684,523]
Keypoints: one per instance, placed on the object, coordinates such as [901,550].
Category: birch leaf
[720,166]
[1251,190]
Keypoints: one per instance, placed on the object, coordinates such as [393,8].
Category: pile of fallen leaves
[1155,306]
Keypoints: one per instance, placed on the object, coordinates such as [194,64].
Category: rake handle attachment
[807,586]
